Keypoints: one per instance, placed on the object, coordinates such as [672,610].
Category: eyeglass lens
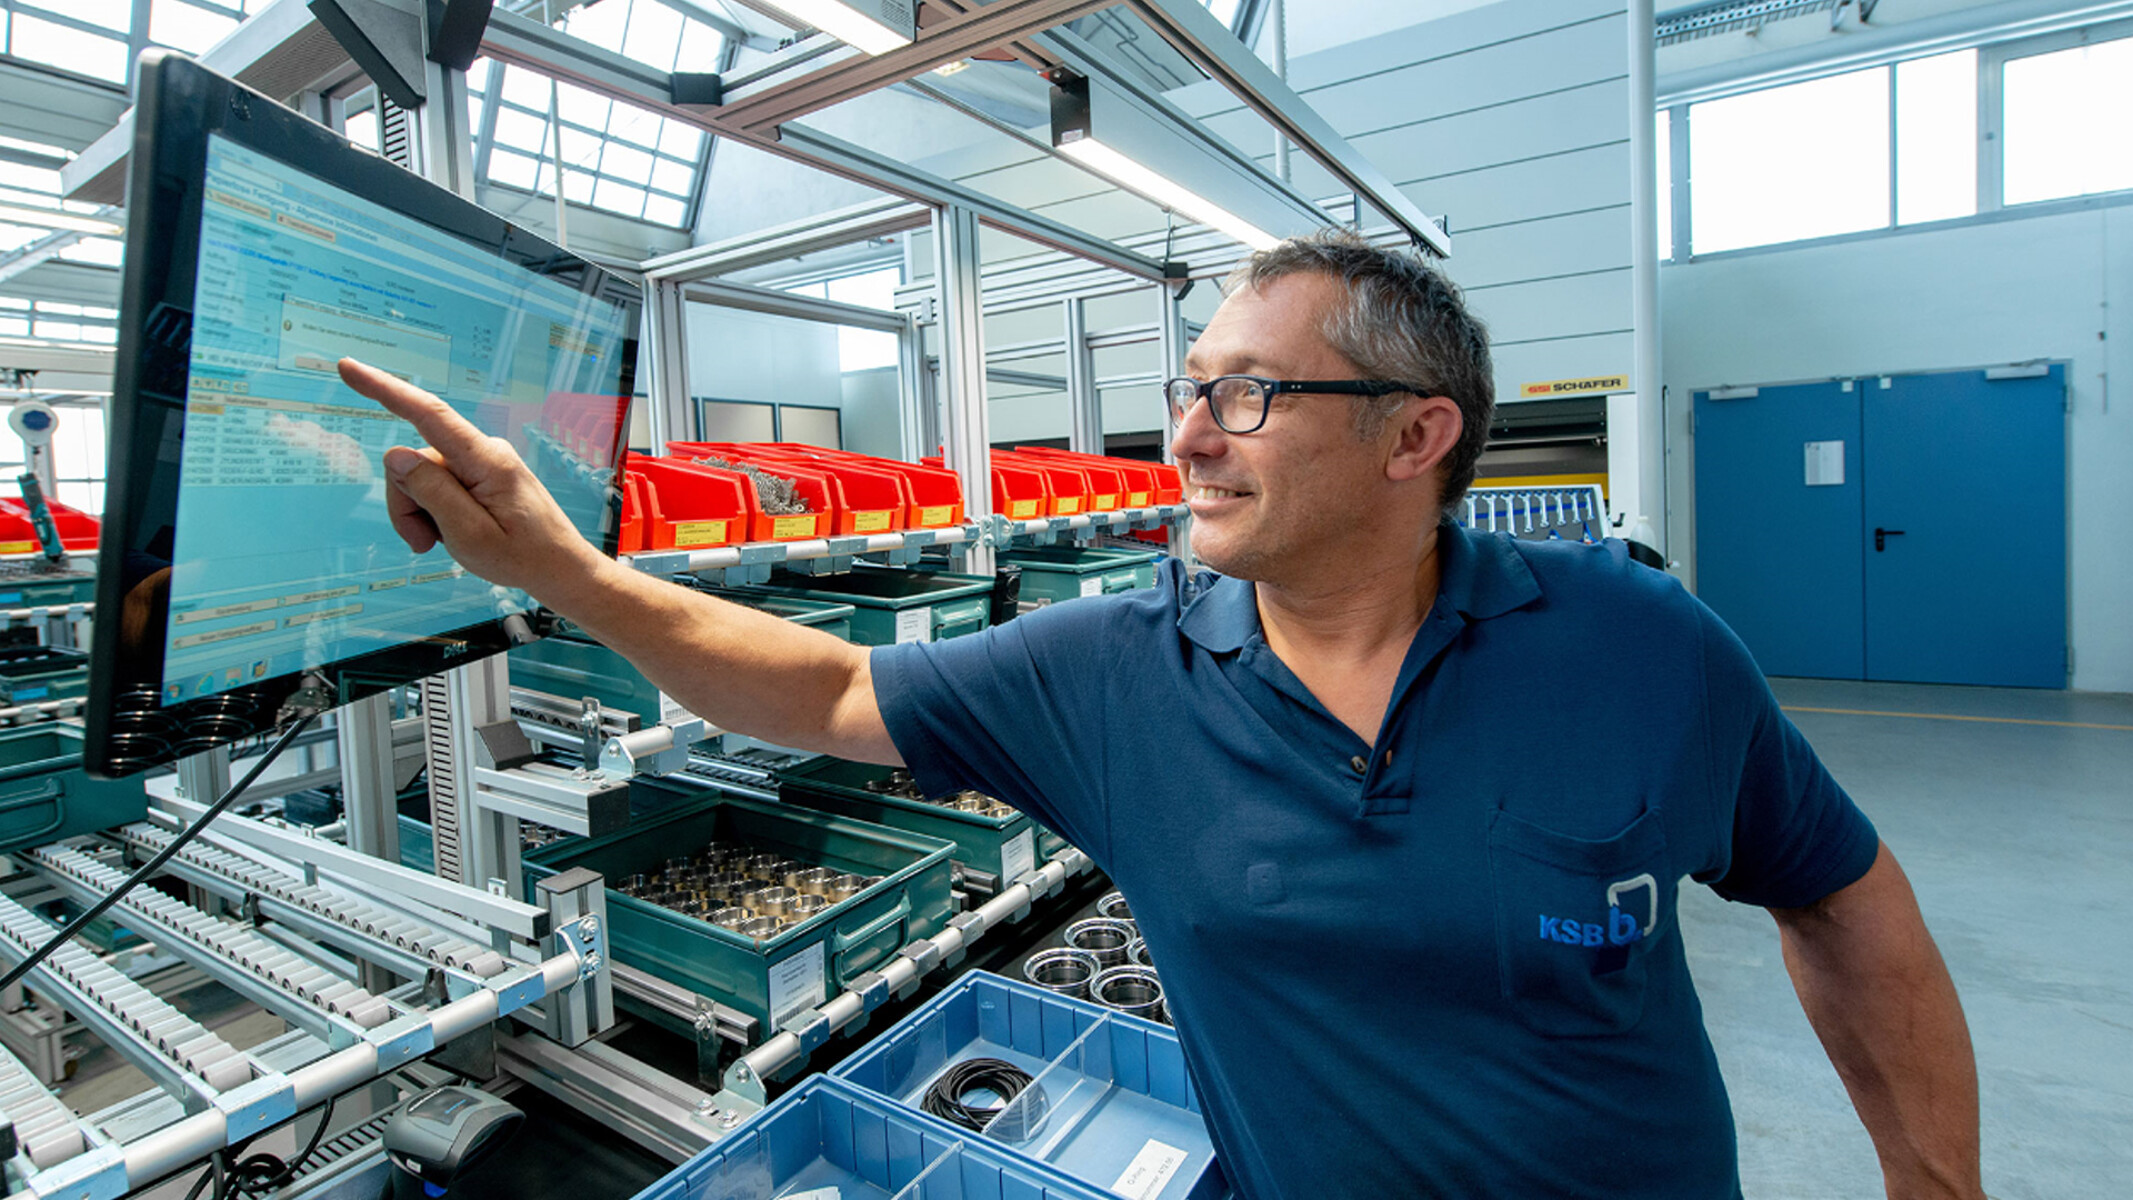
[1237,402]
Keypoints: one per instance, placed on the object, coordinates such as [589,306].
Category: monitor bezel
[180,105]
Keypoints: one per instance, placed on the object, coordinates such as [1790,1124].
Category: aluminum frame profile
[1187,25]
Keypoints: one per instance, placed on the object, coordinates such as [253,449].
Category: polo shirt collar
[1479,577]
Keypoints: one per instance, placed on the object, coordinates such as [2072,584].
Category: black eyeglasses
[1239,402]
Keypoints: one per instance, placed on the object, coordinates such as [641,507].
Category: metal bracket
[259,1105]
[402,1040]
[586,936]
[98,1173]
[516,990]
[923,954]
[971,926]
[742,1081]
[811,1027]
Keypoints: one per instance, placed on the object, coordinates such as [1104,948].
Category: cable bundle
[1003,1079]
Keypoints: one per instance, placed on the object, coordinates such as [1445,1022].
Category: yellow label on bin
[871,522]
[690,534]
[1018,509]
[17,547]
[785,527]
[1106,503]
[1068,507]
[1136,499]
[938,514]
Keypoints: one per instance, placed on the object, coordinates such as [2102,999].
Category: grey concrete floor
[2016,829]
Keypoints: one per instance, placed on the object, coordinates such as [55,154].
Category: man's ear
[1425,432]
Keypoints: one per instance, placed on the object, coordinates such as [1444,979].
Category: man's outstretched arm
[1880,998]
[737,668]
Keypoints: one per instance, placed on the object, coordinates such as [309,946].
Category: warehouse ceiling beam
[881,218]
[761,108]
[1188,25]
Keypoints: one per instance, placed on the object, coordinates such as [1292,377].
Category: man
[1401,809]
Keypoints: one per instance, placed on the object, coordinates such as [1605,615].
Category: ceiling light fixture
[55,219]
[874,26]
[1099,129]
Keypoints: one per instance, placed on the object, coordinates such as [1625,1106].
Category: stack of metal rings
[1105,961]
[752,892]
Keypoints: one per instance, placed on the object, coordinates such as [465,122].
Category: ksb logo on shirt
[1621,928]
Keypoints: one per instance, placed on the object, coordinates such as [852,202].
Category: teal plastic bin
[1001,848]
[798,968]
[892,604]
[1054,573]
[21,588]
[29,674]
[45,796]
[572,665]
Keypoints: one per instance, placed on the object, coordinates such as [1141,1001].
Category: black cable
[945,1099]
[155,864]
[265,1172]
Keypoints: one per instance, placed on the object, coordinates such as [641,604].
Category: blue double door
[1906,528]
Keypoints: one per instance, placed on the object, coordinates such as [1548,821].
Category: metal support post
[962,325]
[474,845]
[914,394]
[444,143]
[370,799]
[1648,490]
[1170,354]
[576,900]
[203,777]
[1087,433]
[666,330]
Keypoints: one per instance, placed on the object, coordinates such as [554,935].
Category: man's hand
[473,493]
[1879,997]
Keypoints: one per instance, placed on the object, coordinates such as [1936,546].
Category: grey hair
[1403,321]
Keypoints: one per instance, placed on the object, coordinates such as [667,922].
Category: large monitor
[248,571]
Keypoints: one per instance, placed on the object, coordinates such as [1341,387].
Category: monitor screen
[254,570]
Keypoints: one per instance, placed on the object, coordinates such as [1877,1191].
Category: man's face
[1279,504]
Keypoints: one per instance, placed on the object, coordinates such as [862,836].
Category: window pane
[526,88]
[522,130]
[700,47]
[619,197]
[577,187]
[874,289]
[15,236]
[679,140]
[190,29]
[664,210]
[671,176]
[864,349]
[634,125]
[654,34]
[14,327]
[580,107]
[115,15]
[626,163]
[1936,137]
[1802,161]
[73,49]
[580,149]
[2064,117]
[600,24]
[1663,151]
[514,169]
[362,129]
[102,251]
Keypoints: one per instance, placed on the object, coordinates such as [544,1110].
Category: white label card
[670,710]
[1825,464]
[1093,586]
[798,983]
[1145,1176]
[914,625]
[1018,856]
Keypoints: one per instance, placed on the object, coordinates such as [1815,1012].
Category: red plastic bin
[857,499]
[685,506]
[18,534]
[1018,493]
[1109,489]
[935,494]
[1141,480]
[1071,491]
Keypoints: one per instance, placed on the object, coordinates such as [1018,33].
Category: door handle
[1882,536]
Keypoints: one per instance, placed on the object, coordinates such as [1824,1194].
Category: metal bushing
[1113,905]
[763,866]
[806,905]
[733,916]
[1137,954]
[844,887]
[776,901]
[1103,937]
[813,880]
[1130,989]
[759,928]
[743,893]
[1061,970]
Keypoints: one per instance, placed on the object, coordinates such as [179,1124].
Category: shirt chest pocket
[1577,921]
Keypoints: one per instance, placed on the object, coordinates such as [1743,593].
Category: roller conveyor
[187,1058]
[45,1131]
[362,925]
[337,1005]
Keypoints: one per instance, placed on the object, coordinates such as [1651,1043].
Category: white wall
[2052,287]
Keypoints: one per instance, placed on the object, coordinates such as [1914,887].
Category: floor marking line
[1871,712]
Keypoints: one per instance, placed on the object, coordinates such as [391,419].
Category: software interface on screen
[284,559]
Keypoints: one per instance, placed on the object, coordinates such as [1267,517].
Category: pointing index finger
[452,435]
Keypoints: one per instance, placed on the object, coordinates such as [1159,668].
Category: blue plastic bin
[1115,1100]
[828,1134]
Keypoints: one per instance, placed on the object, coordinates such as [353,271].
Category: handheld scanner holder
[447,1131]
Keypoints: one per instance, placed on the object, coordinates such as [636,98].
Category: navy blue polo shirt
[1448,963]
